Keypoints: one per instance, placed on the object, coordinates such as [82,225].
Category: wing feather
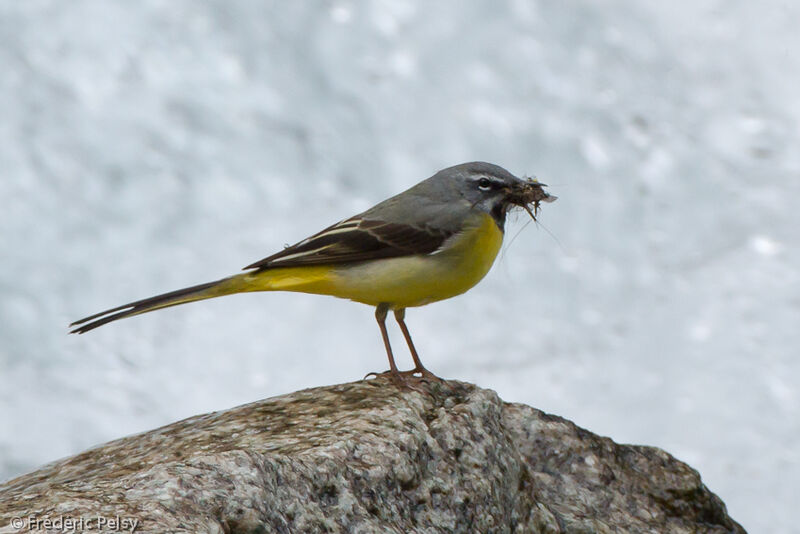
[357,239]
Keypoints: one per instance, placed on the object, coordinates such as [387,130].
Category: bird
[431,242]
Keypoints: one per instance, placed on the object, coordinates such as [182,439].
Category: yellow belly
[400,282]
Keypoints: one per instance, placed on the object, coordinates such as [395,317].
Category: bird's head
[495,190]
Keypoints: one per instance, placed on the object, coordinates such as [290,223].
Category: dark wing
[357,239]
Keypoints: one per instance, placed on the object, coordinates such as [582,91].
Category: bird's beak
[530,191]
[528,194]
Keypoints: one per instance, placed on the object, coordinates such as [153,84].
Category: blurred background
[146,146]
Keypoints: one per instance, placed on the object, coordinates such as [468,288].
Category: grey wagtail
[431,242]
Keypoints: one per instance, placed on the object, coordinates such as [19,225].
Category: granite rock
[368,457]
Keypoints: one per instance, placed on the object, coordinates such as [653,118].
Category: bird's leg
[400,315]
[380,315]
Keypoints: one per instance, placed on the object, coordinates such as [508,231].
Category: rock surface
[368,457]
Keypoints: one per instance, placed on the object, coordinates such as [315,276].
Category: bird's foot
[412,379]
[420,373]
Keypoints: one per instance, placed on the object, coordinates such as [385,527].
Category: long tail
[226,286]
[307,279]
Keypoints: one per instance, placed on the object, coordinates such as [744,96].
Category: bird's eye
[484,184]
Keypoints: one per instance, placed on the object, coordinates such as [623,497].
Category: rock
[368,457]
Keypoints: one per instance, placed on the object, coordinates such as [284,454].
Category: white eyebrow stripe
[489,177]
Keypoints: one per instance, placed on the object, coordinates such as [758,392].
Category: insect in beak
[529,194]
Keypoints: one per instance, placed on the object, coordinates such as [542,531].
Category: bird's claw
[407,379]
